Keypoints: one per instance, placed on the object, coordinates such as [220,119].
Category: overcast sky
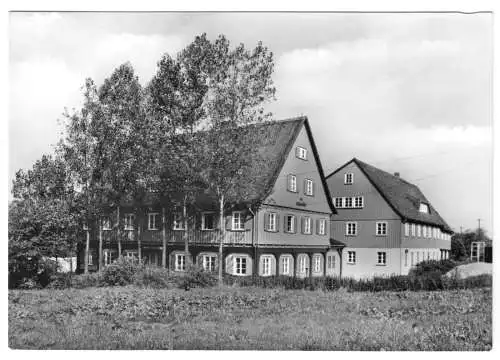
[404,92]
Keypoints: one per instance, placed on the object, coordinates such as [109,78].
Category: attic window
[424,208]
[348,178]
[301,153]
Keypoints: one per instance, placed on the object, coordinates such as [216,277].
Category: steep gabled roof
[403,197]
[271,142]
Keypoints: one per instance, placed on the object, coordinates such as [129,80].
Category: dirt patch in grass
[249,318]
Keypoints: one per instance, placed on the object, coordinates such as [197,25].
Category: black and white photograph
[250,180]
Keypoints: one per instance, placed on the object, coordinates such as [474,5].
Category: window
[412,258]
[348,178]
[424,208]
[428,256]
[406,257]
[286,265]
[240,265]
[381,228]
[107,257]
[208,262]
[358,202]
[424,231]
[131,254]
[303,264]
[309,187]
[348,202]
[90,261]
[321,228]
[317,263]
[381,258]
[271,222]
[351,228]
[178,222]
[153,221]
[301,153]
[266,265]
[207,221]
[306,225]
[180,262]
[418,257]
[129,221]
[419,230]
[238,221]
[292,183]
[105,223]
[330,261]
[338,202]
[412,229]
[290,224]
[351,257]
[407,229]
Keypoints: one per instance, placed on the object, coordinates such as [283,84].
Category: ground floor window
[131,254]
[351,257]
[285,267]
[266,265]
[90,260]
[381,258]
[240,265]
[208,262]
[330,261]
[108,257]
[317,263]
[303,268]
[180,262]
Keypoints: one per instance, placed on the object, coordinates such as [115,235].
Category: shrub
[28,284]
[121,272]
[153,276]
[433,266]
[87,280]
[60,281]
[196,277]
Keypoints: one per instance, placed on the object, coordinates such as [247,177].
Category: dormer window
[348,178]
[424,208]
[301,153]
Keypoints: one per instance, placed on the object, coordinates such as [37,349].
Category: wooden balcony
[177,236]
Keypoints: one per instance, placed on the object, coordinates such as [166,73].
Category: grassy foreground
[249,318]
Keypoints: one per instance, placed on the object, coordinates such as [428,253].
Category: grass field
[249,318]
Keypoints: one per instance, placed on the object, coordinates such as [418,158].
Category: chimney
[396,174]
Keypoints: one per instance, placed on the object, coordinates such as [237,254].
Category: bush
[60,281]
[196,277]
[121,272]
[433,266]
[87,280]
[37,270]
[153,276]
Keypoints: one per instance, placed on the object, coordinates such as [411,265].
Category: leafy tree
[461,243]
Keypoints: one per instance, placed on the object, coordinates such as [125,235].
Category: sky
[406,92]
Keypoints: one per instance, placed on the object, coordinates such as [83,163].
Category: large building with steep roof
[386,223]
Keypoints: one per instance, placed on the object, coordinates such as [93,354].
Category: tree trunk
[185,234]
[118,232]
[223,234]
[87,250]
[164,238]
[100,246]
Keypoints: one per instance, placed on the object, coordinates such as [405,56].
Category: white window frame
[381,258]
[407,229]
[293,222]
[292,183]
[419,230]
[152,225]
[203,222]
[424,231]
[286,265]
[348,231]
[237,268]
[316,263]
[180,265]
[307,225]
[238,225]
[322,227]
[267,264]
[351,257]
[340,200]
[301,153]
[413,229]
[330,261]
[178,223]
[105,223]
[348,178]
[381,228]
[208,261]
[90,259]
[129,220]
[424,208]
[361,201]
[309,187]
[131,254]
[348,202]
[107,257]
[272,222]
[302,264]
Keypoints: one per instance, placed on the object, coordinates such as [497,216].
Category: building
[280,226]
[386,223]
